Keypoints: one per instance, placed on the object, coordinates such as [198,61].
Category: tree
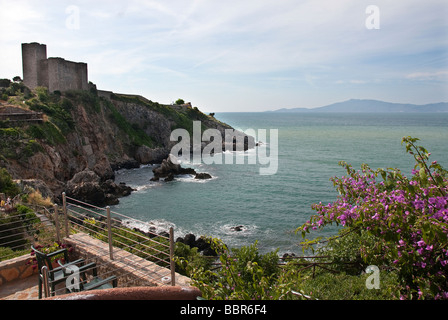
[180,101]
[408,218]
[7,185]
[5,83]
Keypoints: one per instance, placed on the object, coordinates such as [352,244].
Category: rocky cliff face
[82,132]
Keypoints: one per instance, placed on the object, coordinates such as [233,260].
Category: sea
[268,208]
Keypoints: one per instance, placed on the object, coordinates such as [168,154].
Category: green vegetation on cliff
[7,185]
[179,116]
[61,112]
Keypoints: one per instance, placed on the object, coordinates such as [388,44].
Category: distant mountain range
[372,106]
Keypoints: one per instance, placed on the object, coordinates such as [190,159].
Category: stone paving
[23,289]
[26,288]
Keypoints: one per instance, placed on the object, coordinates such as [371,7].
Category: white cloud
[258,46]
[432,75]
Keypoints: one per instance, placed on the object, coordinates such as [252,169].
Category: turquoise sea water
[271,207]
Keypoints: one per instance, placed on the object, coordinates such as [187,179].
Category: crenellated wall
[65,75]
[53,73]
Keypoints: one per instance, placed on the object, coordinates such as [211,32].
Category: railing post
[64,209]
[109,233]
[56,223]
[172,263]
[45,277]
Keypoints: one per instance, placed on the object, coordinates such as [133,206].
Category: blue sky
[252,55]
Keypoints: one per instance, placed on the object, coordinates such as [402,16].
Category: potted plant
[48,249]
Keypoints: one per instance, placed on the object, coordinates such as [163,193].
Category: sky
[252,55]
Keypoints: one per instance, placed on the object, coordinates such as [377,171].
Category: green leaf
[422,174]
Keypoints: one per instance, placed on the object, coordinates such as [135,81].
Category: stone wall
[53,73]
[65,75]
[16,268]
[32,55]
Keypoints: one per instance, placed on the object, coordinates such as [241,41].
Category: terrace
[142,261]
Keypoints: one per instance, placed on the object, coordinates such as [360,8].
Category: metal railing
[20,231]
[22,116]
[106,225]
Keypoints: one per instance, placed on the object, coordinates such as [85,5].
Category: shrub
[184,252]
[42,94]
[16,229]
[36,198]
[5,83]
[408,219]
[48,131]
[244,274]
[341,286]
[8,186]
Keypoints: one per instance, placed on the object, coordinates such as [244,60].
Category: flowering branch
[407,217]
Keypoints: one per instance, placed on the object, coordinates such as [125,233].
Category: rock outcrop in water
[203,246]
[169,170]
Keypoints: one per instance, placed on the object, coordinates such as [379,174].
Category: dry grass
[36,198]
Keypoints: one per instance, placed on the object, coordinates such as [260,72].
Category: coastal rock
[237,228]
[164,234]
[103,168]
[125,164]
[187,171]
[288,255]
[146,155]
[202,245]
[89,192]
[202,176]
[238,141]
[166,167]
[119,190]
[190,240]
[169,169]
[170,177]
[209,252]
[28,185]
[86,186]
[84,176]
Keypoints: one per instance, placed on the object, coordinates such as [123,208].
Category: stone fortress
[57,74]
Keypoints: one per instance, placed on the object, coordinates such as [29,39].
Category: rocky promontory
[83,137]
[88,187]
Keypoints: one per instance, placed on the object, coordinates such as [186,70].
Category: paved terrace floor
[27,289]
[126,262]
[24,289]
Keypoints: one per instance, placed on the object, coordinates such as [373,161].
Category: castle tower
[53,73]
[32,55]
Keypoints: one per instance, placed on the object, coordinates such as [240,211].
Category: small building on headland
[57,74]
